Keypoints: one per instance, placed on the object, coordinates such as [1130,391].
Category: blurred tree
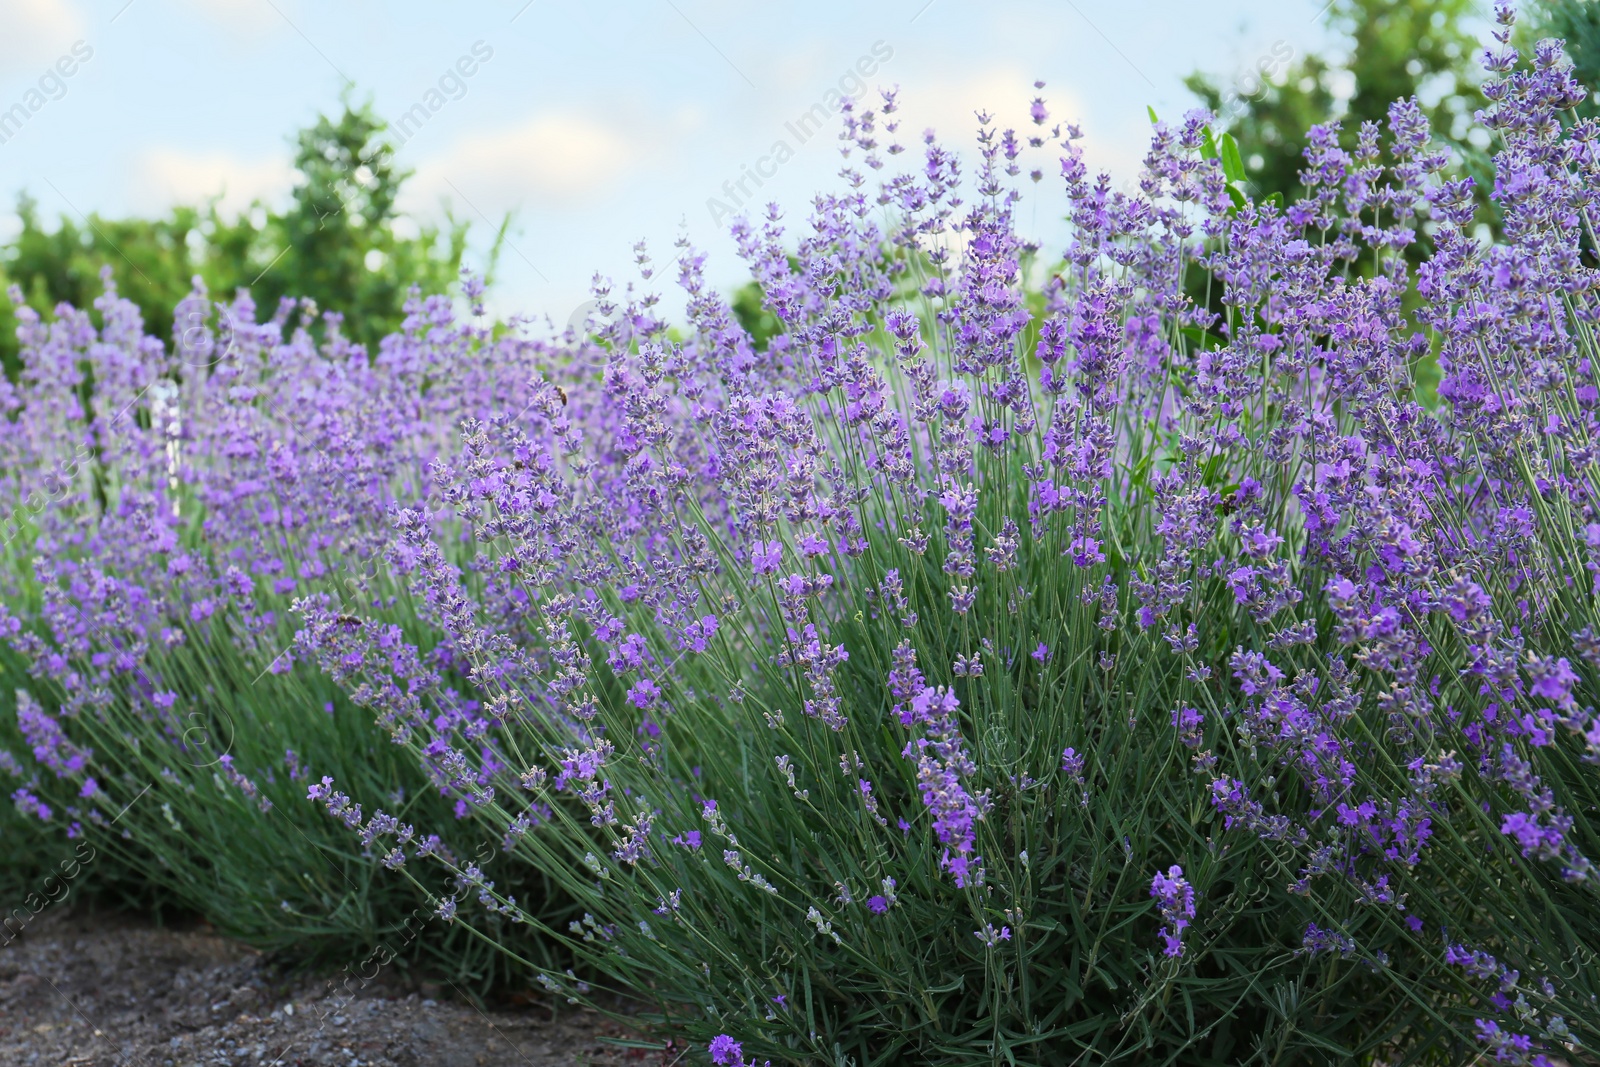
[751,312]
[152,261]
[336,242]
[1270,122]
[1395,48]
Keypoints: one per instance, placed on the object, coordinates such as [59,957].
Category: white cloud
[562,158]
[804,70]
[1005,93]
[688,119]
[35,33]
[242,17]
[947,103]
[163,177]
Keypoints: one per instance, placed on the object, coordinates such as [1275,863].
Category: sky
[597,126]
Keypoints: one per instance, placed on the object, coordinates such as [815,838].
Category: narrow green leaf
[1232,164]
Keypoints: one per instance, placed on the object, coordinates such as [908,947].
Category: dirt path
[96,991]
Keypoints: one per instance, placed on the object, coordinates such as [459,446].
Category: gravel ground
[98,991]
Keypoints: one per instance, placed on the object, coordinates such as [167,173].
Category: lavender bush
[163,509]
[1116,660]
[1154,679]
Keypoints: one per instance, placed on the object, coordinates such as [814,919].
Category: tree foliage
[1392,50]
[341,241]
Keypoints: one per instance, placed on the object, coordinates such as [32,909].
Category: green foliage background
[336,242]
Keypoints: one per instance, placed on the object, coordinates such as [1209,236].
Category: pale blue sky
[600,124]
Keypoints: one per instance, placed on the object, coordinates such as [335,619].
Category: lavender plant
[164,507]
[1158,681]
[1156,678]
[32,849]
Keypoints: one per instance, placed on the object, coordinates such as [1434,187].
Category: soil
[113,991]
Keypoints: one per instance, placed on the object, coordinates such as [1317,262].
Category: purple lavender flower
[1072,766]
[1318,941]
[644,693]
[1175,898]
[942,765]
[725,1050]
[992,937]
